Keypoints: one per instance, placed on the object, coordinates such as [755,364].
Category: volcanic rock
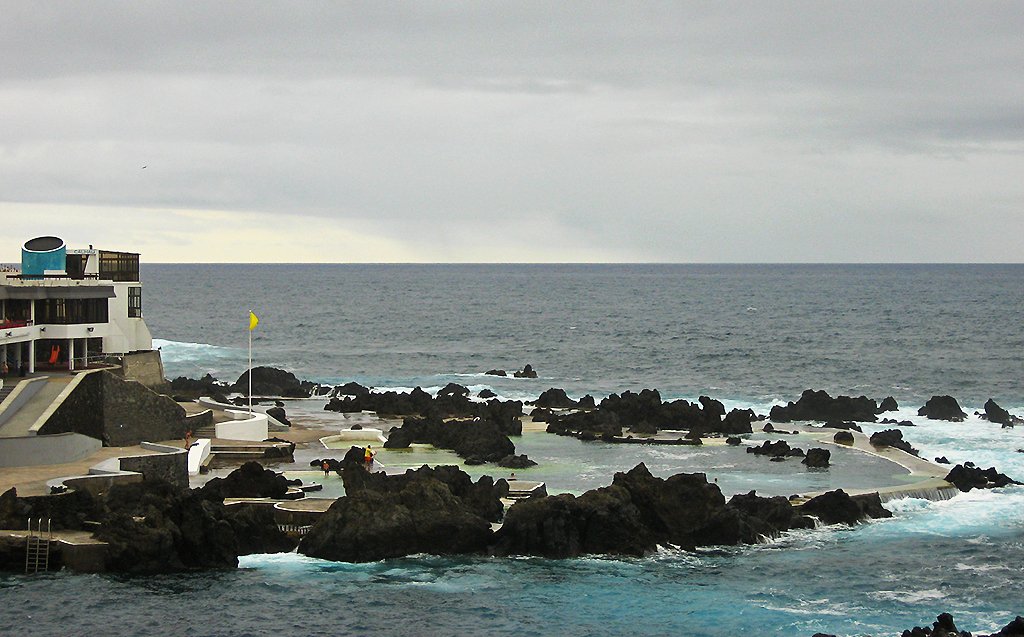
[270,381]
[496,372]
[818,405]
[420,516]
[837,507]
[256,530]
[477,438]
[967,476]
[843,438]
[516,462]
[775,449]
[817,458]
[453,389]
[942,408]
[527,372]
[888,404]
[555,398]
[278,414]
[840,424]
[891,438]
[995,413]
[250,480]
[486,393]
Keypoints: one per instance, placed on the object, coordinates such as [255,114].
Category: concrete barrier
[245,426]
[197,455]
[28,451]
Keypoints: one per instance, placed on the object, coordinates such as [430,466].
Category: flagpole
[250,363]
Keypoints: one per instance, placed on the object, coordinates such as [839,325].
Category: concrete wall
[255,428]
[26,451]
[146,368]
[170,466]
[119,412]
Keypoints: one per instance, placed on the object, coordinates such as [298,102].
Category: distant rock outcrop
[819,406]
[475,439]
[892,438]
[270,381]
[995,413]
[250,480]
[454,403]
[942,408]
[817,458]
[526,372]
[967,477]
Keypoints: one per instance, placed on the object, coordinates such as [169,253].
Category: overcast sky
[516,131]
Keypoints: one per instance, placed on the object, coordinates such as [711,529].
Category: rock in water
[270,381]
[422,517]
[997,414]
[818,405]
[837,507]
[967,476]
[250,480]
[555,398]
[942,408]
[888,404]
[817,458]
[891,438]
[843,438]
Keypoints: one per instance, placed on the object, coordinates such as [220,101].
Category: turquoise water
[752,336]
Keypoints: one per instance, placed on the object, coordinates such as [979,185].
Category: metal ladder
[37,547]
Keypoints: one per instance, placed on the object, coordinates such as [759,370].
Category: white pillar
[31,356]
[71,354]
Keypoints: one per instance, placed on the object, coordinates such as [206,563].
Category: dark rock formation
[942,460]
[481,439]
[837,507]
[516,462]
[586,424]
[891,438]
[486,393]
[638,512]
[496,372]
[527,372]
[250,480]
[256,531]
[888,404]
[184,388]
[843,438]
[818,405]
[153,527]
[776,449]
[270,381]
[733,441]
[942,408]
[944,627]
[555,398]
[817,458]
[419,403]
[645,413]
[587,402]
[482,497]
[995,413]
[279,414]
[967,476]
[840,424]
[350,388]
[453,389]
[382,517]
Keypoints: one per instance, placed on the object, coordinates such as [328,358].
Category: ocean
[749,335]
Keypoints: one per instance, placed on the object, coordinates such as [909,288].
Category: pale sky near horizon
[515,131]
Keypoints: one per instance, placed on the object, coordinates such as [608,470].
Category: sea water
[752,336]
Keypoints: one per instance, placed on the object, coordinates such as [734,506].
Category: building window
[135,302]
[119,266]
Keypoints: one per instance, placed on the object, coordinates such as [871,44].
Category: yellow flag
[253,321]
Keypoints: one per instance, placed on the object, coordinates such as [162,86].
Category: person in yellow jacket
[368,456]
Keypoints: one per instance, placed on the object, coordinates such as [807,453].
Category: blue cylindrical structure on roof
[43,254]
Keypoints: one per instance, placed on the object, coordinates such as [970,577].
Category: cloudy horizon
[516,132]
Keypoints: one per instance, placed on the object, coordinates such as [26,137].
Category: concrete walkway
[21,422]
[931,483]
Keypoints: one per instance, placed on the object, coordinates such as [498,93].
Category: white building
[63,307]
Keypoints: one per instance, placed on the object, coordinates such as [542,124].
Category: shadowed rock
[817,458]
[819,406]
[942,408]
[967,477]
[891,438]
